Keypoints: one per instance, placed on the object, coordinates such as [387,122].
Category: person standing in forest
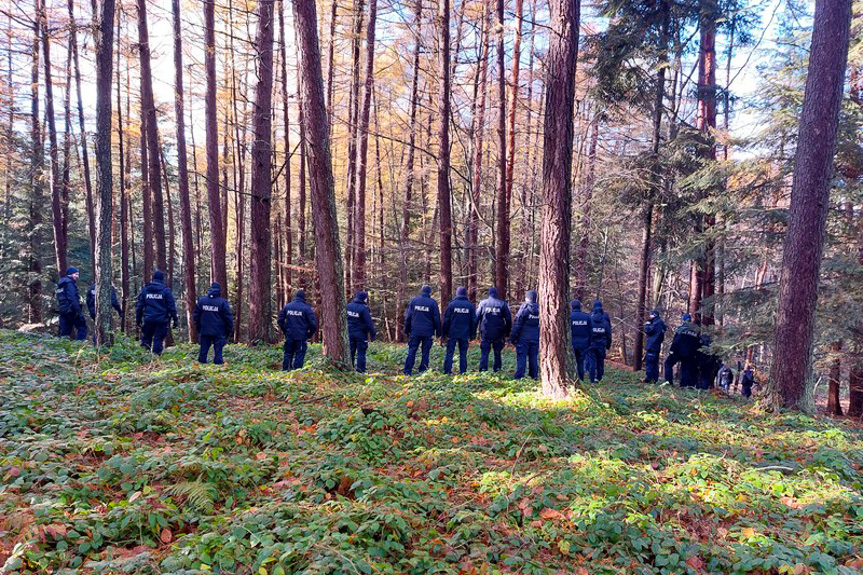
[706,360]
[422,323]
[495,322]
[69,306]
[726,377]
[683,349]
[155,310]
[298,322]
[361,329]
[600,342]
[580,331]
[747,382]
[214,323]
[459,327]
[654,329]
[91,301]
[525,337]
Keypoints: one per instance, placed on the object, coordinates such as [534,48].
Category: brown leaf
[56,530]
[549,514]
[695,562]
[791,502]
[166,536]
[260,456]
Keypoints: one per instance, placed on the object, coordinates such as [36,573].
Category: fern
[199,494]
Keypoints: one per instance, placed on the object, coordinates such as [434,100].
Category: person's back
[494,322]
[747,382]
[683,350]
[580,333]
[214,322]
[298,322]
[69,306]
[422,323]
[726,377]
[361,329]
[525,337]
[655,331]
[600,342]
[686,340]
[156,308]
[459,327]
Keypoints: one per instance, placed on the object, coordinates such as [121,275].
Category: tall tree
[218,244]
[183,174]
[557,197]
[810,193]
[37,165]
[359,270]
[478,129]
[260,280]
[288,231]
[105,199]
[501,256]
[443,184]
[124,188]
[353,121]
[327,250]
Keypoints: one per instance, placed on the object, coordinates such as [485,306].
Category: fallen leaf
[135,496]
[166,536]
[791,502]
[748,532]
[695,562]
[260,456]
[56,530]
[549,514]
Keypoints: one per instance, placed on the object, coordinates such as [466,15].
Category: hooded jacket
[297,319]
[580,327]
[655,332]
[459,320]
[422,318]
[156,304]
[68,299]
[600,328]
[493,317]
[360,325]
[213,314]
[525,328]
[91,301]
[686,340]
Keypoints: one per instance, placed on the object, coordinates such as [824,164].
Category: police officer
[422,323]
[69,306]
[214,322]
[298,322]
[654,329]
[600,342]
[683,348]
[525,337]
[91,301]
[747,382]
[706,363]
[495,322]
[580,329]
[726,377]
[156,308]
[459,327]
[361,329]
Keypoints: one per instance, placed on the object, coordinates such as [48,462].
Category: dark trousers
[450,351]
[485,346]
[76,322]
[580,355]
[527,357]
[595,363]
[651,366]
[295,354]
[688,370]
[153,336]
[413,345]
[359,345]
[218,343]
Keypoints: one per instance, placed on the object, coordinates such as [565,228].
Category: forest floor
[139,466]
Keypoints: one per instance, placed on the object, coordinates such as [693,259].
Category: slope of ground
[139,466]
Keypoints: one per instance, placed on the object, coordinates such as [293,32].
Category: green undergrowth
[142,466]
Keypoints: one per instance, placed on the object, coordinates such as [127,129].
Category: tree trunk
[327,249]
[34,264]
[443,187]
[581,252]
[557,198]
[85,154]
[124,203]
[353,120]
[217,229]
[105,199]
[810,193]
[154,160]
[525,239]
[60,239]
[514,93]
[501,256]
[146,197]
[183,173]
[260,278]
[834,404]
[855,390]
[288,233]
[478,124]
[330,59]
[359,269]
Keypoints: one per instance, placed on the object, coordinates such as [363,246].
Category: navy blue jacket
[297,320]
[68,300]
[600,329]
[493,319]
[686,340]
[212,315]
[422,318]
[360,325]
[91,301]
[580,328]
[748,379]
[655,332]
[459,320]
[525,329]
[156,304]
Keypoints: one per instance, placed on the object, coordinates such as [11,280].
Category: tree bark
[582,250]
[124,203]
[834,404]
[557,200]
[330,59]
[327,252]
[353,120]
[183,173]
[480,91]
[217,229]
[288,232]
[37,162]
[146,197]
[810,193]
[513,105]
[443,186]
[105,199]
[501,256]
[260,278]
